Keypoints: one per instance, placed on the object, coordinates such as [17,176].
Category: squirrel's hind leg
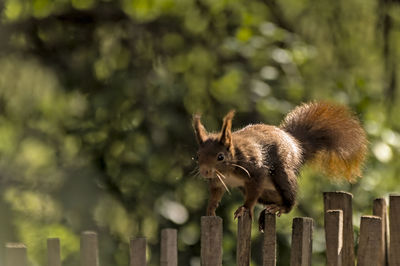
[275,209]
[270,208]
[253,191]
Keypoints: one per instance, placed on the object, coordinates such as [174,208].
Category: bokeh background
[96,99]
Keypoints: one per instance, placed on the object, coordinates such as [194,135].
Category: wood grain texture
[269,245]
[343,201]
[211,241]
[301,241]
[89,249]
[15,254]
[380,210]
[169,247]
[394,227]
[334,237]
[53,252]
[369,251]
[243,248]
[137,251]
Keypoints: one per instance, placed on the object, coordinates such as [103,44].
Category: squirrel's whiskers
[241,167]
[218,172]
[219,175]
[195,172]
[270,157]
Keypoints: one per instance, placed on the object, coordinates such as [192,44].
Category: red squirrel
[265,160]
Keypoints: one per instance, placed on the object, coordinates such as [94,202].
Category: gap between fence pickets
[379,240]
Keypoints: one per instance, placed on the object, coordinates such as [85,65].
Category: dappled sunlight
[97,99]
[110,212]
[382,152]
[33,205]
[173,211]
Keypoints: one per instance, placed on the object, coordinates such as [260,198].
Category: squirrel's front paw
[241,211]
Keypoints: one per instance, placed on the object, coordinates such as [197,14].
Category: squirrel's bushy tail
[331,137]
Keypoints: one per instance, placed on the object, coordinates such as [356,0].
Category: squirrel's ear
[199,130]
[226,135]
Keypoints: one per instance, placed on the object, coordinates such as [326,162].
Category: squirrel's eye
[220,157]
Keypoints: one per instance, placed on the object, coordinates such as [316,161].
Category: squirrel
[264,161]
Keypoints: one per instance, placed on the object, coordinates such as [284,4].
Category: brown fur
[264,160]
[331,137]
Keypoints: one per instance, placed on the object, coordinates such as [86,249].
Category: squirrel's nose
[206,172]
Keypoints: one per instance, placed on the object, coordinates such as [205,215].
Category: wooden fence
[379,239]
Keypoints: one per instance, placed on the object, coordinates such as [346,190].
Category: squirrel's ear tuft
[226,135]
[199,130]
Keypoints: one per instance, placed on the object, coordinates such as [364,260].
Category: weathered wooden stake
[169,247]
[369,251]
[15,254]
[301,241]
[53,252]
[211,241]
[269,247]
[89,249]
[243,247]
[394,222]
[343,201]
[380,210]
[334,237]
[137,251]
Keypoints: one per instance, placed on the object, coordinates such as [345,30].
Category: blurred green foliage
[96,98]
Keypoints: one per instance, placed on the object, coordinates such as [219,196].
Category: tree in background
[96,99]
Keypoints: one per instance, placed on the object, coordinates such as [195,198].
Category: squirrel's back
[330,136]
